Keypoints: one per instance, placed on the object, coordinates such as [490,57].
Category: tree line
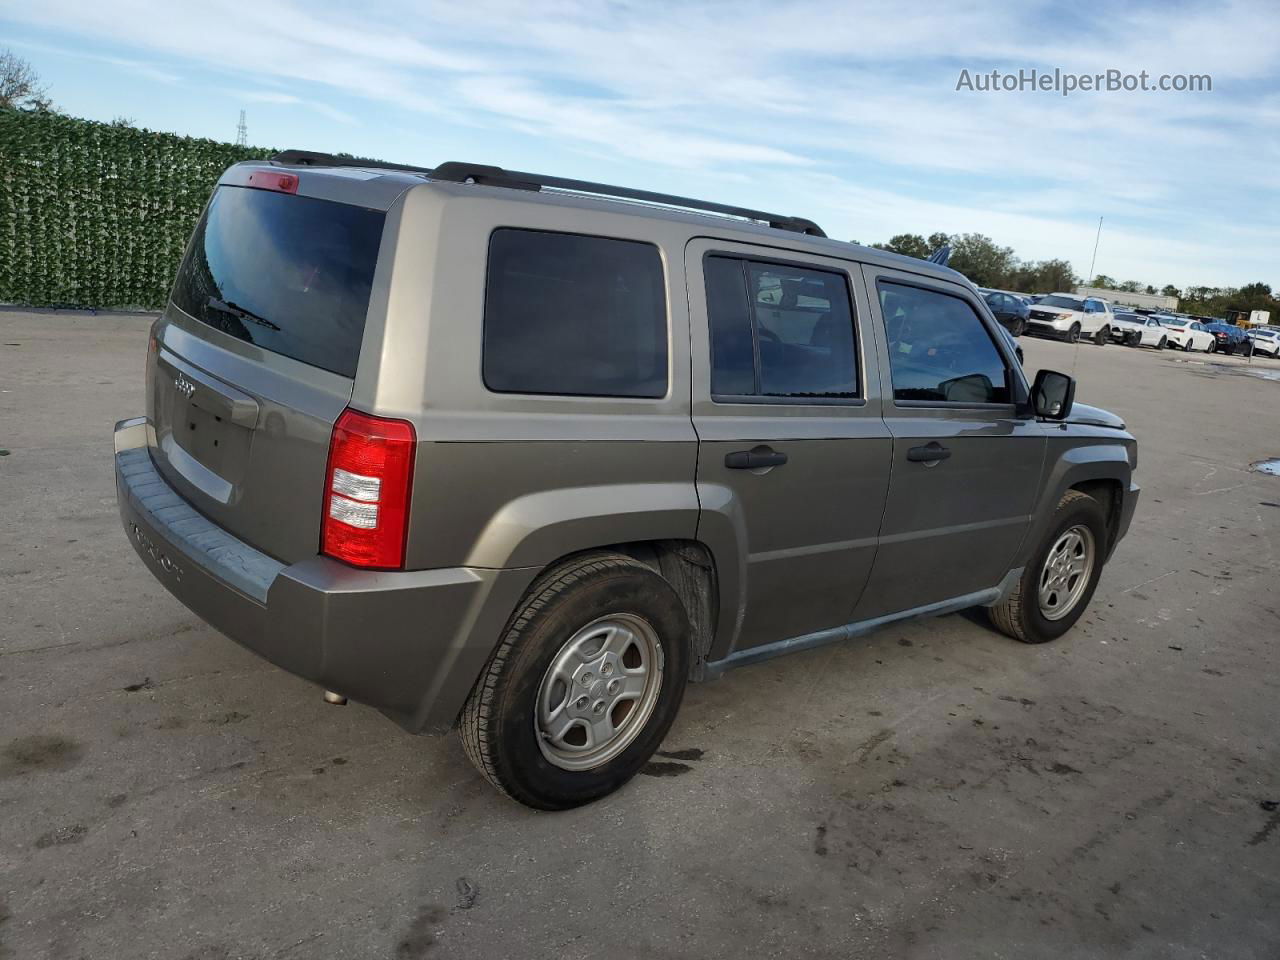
[988,264]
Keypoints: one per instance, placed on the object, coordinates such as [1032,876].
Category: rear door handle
[931,452]
[753,459]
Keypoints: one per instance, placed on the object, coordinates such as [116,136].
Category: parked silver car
[498,452]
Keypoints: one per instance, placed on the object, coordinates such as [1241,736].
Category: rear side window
[286,273]
[574,315]
[939,349]
[779,330]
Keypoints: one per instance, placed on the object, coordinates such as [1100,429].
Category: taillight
[367,487]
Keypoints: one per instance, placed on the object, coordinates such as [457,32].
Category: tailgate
[252,362]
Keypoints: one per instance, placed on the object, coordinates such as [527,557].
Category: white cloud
[280,98]
[761,102]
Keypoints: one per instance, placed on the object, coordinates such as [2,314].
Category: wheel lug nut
[598,707]
[606,669]
[586,679]
[614,685]
[581,703]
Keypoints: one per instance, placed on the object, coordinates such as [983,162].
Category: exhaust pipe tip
[337,699]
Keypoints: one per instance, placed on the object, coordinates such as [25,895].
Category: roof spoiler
[309,158]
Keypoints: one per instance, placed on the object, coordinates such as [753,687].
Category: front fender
[1080,455]
[538,528]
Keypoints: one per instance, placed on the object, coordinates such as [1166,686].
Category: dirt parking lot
[934,790]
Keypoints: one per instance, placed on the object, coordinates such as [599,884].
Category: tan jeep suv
[522,455]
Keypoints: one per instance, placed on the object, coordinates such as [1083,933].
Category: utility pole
[242,133]
[1088,280]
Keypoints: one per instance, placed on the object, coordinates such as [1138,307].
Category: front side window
[574,315]
[939,348]
[779,330]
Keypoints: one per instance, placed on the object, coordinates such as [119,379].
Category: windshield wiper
[240,313]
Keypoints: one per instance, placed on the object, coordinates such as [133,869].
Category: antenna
[1088,281]
[242,132]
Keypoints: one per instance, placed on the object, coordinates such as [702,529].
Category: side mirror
[1052,395]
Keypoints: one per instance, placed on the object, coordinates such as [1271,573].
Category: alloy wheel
[1066,572]
[599,692]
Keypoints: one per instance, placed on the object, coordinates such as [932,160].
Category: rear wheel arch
[689,566]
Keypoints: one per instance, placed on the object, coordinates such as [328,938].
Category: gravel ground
[934,790]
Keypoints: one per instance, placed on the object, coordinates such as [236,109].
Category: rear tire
[1102,336]
[1186,347]
[1162,344]
[501,725]
[1020,616]
[1212,347]
[1073,335]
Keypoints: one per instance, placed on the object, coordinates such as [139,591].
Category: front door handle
[754,459]
[931,452]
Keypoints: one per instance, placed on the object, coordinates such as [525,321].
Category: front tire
[1162,344]
[1058,583]
[583,686]
[1073,335]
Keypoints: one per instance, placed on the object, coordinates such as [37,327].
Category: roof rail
[456,172]
[309,158]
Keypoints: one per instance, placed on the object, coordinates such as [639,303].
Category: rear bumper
[409,643]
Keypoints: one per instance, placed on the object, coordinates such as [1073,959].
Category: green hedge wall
[98,215]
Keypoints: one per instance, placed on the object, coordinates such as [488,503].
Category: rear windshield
[286,273]
[1069,303]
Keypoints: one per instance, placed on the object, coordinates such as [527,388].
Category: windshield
[288,274]
[1174,323]
[1070,303]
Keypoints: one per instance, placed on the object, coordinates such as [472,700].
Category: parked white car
[1187,334]
[1070,317]
[1135,330]
[1266,342]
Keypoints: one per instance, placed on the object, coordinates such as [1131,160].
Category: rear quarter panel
[517,480]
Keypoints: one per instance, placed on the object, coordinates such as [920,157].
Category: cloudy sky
[846,113]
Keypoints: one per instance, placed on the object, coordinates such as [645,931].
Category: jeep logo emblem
[185,386]
[155,553]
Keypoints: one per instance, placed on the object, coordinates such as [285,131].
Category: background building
[1152,301]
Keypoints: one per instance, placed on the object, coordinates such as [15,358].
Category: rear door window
[286,273]
[574,315]
[779,330]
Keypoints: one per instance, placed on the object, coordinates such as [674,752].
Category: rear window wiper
[240,313]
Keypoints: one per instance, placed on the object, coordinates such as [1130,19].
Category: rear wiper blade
[240,313]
